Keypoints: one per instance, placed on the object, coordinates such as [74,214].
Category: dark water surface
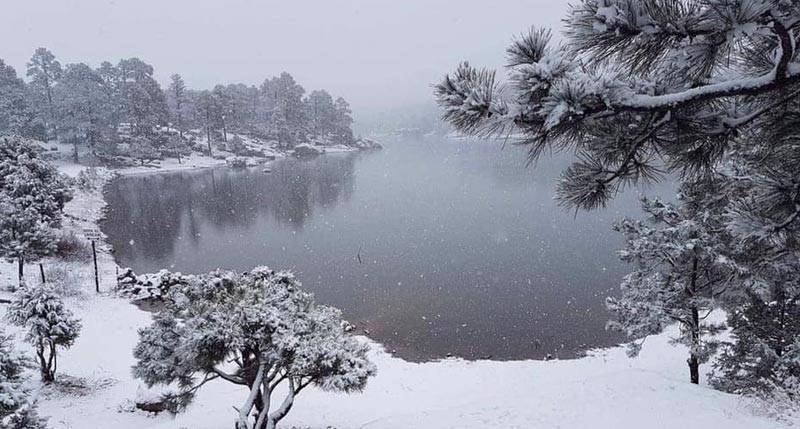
[463,250]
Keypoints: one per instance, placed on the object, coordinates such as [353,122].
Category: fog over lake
[434,247]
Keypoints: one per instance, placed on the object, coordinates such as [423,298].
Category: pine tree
[256,329]
[16,114]
[677,280]
[765,351]
[45,71]
[49,325]
[343,122]
[708,91]
[177,101]
[141,95]
[32,198]
[17,409]
[80,103]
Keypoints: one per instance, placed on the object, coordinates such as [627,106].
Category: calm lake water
[463,250]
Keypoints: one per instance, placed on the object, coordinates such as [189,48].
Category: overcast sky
[379,54]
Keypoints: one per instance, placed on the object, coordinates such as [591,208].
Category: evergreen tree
[32,197]
[765,351]
[677,280]
[257,330]
[207,112]
[45,72]
[343,122]
[321,114]
[177,101]
[17,409]
[703,90]
[80,103]
[16,114]
[143,100]
[49,325]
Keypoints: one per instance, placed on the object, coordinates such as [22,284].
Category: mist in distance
[380,55]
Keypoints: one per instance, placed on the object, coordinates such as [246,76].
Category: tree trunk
[41,271]
[21,270]
[694,363]
[75,152]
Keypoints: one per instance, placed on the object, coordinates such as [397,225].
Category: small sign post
[93,234]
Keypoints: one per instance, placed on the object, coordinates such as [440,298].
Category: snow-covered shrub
[49,325]
[237,146]
[148,287]
[256,329]
[88,180]
[17,409]
[306,150]
[32,198]
[144,150]
[236,162]
[65,280]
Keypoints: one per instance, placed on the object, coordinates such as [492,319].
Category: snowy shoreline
[450,393]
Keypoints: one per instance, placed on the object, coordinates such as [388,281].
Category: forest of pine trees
[99,108]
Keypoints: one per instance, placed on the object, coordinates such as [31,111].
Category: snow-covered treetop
[42,312]
[636,85]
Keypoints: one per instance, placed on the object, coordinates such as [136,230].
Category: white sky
[376,53]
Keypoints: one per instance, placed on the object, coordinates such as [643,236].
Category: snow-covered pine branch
[637,86]
[257,329]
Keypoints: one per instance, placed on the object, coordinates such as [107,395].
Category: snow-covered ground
[604,390]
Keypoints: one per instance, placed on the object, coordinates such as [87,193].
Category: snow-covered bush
[143,149]
[237,146]
[306,150]
[32,198]
[49,325]
[17,408]
[148,287]
[256,329]
[65,280]
[88,180]
[236,162]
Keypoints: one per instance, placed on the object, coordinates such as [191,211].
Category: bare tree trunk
[694,363]
[21,270]
[208,135]
[41,271]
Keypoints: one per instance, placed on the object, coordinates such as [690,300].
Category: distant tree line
[123,103]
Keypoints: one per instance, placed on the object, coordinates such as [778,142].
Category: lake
[433,247]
